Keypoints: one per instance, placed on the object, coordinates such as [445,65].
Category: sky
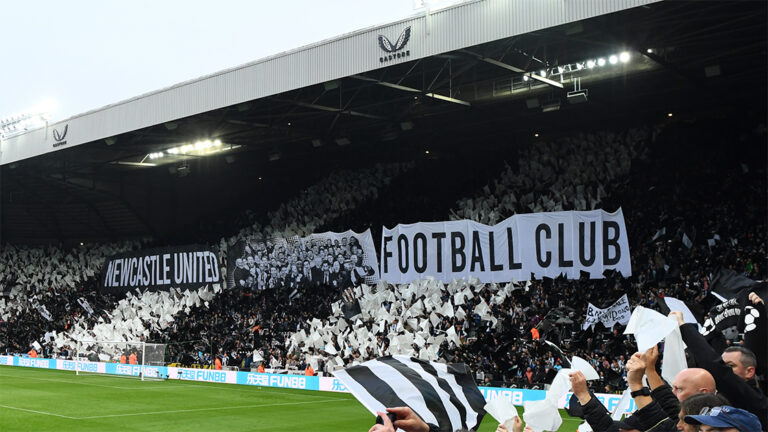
[80,55]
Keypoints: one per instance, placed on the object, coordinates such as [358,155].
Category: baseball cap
[725,417]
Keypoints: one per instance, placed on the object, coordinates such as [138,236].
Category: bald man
[689,382]
[729,384]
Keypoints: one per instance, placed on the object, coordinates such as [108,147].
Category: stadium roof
[465,25]
[462,74]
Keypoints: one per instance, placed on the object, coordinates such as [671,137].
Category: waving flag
[441,394]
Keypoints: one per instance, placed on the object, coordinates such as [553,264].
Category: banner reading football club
[619,312]
[521,247]
[162,268]
[339,260]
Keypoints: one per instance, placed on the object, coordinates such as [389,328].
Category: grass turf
[52,400]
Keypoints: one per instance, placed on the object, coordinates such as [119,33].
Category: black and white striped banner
[441,394]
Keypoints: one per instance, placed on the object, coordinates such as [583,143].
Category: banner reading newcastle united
[522,246]
[163,268]
[339,260]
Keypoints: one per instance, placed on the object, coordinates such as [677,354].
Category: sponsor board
[328,384]
[332,384]
[299,382]
[34,362]
[519,396]
[93,367]
[202,375]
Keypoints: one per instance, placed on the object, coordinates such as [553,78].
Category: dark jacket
[652,418]
[739,392]
[668,401]
[597,416]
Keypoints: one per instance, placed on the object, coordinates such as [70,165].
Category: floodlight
[624,57]
[613,59]
[601,61]
[590,64]
[543,73]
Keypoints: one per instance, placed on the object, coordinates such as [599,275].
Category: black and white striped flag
[444,395]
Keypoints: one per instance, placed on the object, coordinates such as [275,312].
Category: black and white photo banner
[619,312]
[523,246]
[163,268]
[339,260]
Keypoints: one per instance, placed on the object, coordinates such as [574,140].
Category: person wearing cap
[743,394]
[694,404]
[725,419]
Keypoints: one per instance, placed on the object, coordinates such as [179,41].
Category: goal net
[141,360]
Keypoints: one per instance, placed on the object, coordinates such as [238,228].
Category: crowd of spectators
[44,290]
[687,216]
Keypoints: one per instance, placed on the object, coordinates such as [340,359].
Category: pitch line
[40,412]
[206,409]
[176,385]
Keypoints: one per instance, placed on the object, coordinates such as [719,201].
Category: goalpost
[139,359]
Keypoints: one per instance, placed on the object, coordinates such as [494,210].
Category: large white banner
[521,247]
[618,312]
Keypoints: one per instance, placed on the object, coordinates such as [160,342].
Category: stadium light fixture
[543,73]
[31,119]
[613,59]
[624,57]
[590,64]
[669,114]
[601,62]
[649,50]
[198,148]
[426,151]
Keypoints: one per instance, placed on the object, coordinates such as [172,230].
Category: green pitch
[52,400]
